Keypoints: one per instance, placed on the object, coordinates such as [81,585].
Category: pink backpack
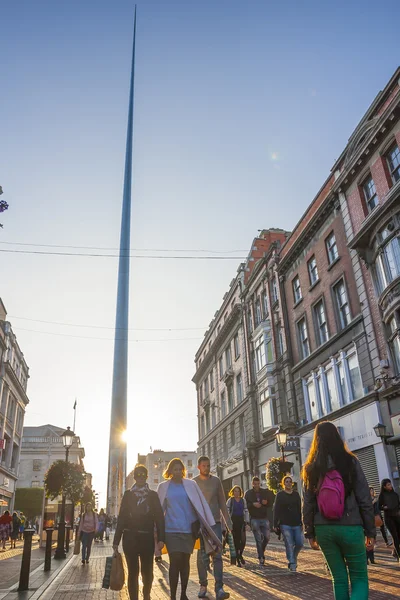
[331,496]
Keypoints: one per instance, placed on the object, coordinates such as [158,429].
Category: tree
[29,501]
[65,478]
[88,496]
[276,469]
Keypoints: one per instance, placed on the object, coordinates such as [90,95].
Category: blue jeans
[203,562]
[294,541]
[262,533]
[87,539]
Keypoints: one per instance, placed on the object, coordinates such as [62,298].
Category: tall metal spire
[118,424]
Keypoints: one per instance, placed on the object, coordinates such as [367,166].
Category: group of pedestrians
[11,528]
[339,516]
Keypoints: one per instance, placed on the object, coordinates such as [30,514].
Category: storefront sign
[233,470]
[396,424]
[292,444]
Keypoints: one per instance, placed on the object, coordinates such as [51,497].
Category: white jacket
[211,542]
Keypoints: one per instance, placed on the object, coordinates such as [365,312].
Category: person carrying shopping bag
[87,530]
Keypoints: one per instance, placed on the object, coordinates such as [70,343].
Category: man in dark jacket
[140,512]
[260,503]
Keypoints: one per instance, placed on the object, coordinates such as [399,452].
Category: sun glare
[124,436]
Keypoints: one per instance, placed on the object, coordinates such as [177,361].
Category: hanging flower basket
[275,470]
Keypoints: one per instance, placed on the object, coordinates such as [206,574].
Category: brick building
[368,186]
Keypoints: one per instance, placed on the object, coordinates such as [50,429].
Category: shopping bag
[107,573]
[117,576]
[197,544]
[232,549]
[77,546]
[378,521]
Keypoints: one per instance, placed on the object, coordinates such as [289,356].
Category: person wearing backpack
[287,521]
[338,515]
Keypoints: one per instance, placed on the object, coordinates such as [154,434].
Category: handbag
[77,546]
[232,549]
[378,521]
[117,575]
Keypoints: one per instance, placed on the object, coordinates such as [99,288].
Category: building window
[233,434]
[303,338]
[223,405]
[258,312]
[206,389]
[202,427]
[394,343]
[242,430]
[274,290]
[265,304]
[35,484]
[236,346]
[266,412]
[228,357]
[213,416]
[331,248]
[230,398]
[212,379]
[393,159]
[190,463]
[342,304]
[312,270]
[280,340]
[260,353]
[239,388]
[221,367]
[320,322]
[370,194]
[207,413]
[214,449]
[336,383]
[250,320]
[296,289]
[201,393]
[224,443]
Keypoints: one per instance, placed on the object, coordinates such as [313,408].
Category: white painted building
[156,462]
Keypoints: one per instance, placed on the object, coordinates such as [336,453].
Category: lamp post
[67,439]
[281,438]
[380,432]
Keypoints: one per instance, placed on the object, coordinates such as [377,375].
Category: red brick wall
[323,289]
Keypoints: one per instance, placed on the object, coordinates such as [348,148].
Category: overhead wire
[91,254]
[82,337]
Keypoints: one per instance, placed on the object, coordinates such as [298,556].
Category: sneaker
[222,594]
[293,568]
[87,561]
[83,561]
[261,561]
[242,560]
[203,592]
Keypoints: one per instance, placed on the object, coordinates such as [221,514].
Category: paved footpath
[270,582]
[10,562]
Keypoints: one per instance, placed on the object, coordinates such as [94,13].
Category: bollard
[49,542]
[67,534]
[26,561]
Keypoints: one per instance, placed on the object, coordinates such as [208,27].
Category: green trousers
[344,550]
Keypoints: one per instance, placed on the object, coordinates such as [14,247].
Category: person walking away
[287,520]
[213,492]
[260,503]
[239,515]
[5,529]
[338,515]
[88,526]
[139,514]
[380,513]
[22,519]
[378,521]
[389,502]
[15,529]
[186,515]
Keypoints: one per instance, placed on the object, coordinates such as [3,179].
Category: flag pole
[73,429]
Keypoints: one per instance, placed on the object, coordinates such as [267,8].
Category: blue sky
[240,111]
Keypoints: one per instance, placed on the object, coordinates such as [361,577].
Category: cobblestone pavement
[270,582]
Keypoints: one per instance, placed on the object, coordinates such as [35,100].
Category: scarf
[141,494]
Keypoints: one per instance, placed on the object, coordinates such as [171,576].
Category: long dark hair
[328,451]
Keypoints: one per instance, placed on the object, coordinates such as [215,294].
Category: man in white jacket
[214,494]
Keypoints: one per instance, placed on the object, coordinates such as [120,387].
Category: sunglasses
[141,474]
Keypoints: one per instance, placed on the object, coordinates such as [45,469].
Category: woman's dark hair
[284,479]
[328,451]
[383,483]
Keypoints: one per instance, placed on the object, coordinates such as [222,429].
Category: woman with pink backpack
[338,515]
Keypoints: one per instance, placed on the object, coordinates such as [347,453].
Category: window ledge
[333,263]
[298,302]
[314,285]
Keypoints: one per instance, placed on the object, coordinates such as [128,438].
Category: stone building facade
[157,461]
[14,374]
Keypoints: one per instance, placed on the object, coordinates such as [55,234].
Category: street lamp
[380,432]
[67,439]
[281,438]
